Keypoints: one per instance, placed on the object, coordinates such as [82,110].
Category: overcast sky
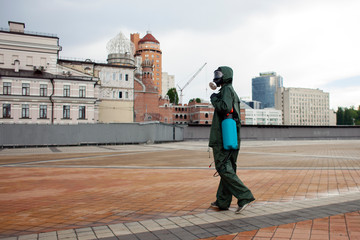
[310,43]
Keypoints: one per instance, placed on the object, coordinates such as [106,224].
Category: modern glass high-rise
[264,88]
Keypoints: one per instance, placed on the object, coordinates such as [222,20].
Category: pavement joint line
[190,168]
[72,158]
[299,155]
[217,223]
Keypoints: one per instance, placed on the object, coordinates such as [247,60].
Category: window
[114,76]
[126,77]
[25,111]
[1,58]
[82,112]
[6,88]
[120,94]
[82,91]
[87,70]
[26,89]
[43,111]
[126,95]
[43,61]
[6,110]
[206,115]
[43,90]
[120,76]
[66,90]
[66,112]
[29,61]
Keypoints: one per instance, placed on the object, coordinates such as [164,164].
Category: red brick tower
[149,48]
[148,105]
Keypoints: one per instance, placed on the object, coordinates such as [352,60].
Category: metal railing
[29,32]
[82,59]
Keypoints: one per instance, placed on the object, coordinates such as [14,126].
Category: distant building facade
[34,88]
[253,104]
[116,92]
[303,106]
[264,88]
[268,116]
[148,104]
[332,117]
[168,82]
[193,113]
[149,48]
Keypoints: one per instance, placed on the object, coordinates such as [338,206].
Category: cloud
[309,46]
[309,43]
[345,97]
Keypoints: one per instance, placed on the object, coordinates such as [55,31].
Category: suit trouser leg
[230,183]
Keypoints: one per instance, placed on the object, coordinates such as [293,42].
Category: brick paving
[304,190]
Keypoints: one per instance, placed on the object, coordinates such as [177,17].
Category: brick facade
[148,104]
[149,48]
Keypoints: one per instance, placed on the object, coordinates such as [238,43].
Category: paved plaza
[303,190]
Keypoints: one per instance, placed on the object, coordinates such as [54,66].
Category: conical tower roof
[149,38]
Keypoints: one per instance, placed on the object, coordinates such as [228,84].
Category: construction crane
[188,82]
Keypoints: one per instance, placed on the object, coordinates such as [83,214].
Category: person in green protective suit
[225,160]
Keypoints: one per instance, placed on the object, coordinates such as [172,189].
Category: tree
[357,120]
[348,116]
[173,96]
[197,100]
[340,116]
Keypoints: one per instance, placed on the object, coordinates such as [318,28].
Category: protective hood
[228,74]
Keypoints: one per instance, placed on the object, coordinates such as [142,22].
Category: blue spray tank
[229,132]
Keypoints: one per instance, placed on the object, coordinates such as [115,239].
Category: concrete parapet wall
[279,132]
[22,135]
[13,135]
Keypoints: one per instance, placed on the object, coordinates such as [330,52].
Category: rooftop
[163,191]
[40,34]
[149,38]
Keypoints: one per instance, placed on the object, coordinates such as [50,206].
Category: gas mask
[218,80]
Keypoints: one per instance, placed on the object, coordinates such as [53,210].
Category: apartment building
[34,88]
[303,106]
[168,82]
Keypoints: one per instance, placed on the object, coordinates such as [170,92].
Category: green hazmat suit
[225,160]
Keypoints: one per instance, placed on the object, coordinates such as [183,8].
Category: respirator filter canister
[217,79]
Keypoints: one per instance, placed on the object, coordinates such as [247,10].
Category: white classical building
[116,85]
[34,88]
